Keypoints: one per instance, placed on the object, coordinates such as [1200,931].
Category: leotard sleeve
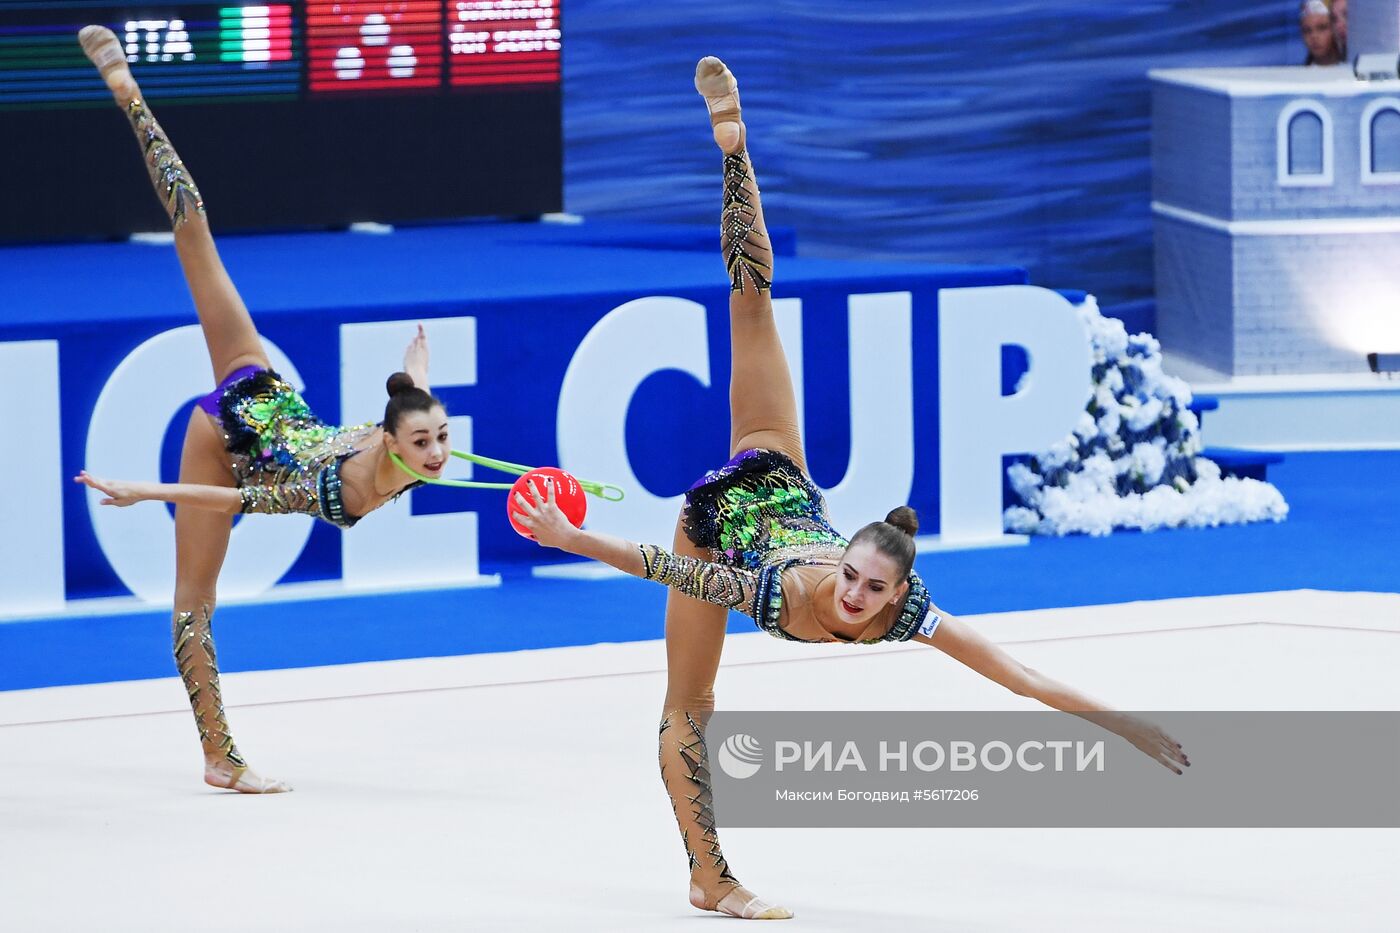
[281,498]
[721,584]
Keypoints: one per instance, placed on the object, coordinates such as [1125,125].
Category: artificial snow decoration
[1133,460]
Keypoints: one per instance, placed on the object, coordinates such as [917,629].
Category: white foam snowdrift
[1133,461]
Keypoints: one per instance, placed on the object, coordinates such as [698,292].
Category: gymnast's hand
[120,494]
[1152,742]
[415,360]
[542,516]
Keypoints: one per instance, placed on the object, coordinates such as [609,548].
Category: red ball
[568,495]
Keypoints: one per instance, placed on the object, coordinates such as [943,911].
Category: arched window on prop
[1380,142]
[1304,145]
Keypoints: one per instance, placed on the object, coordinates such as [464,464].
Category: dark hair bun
[905,519]
[399,382]
[405,397]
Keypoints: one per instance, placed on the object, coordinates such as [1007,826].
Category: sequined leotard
[284,458]
[760,516]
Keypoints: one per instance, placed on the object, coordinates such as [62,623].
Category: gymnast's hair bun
[905,519]
[404,398]
[399,382]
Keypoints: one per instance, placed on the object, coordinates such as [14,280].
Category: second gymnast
[252,445]
[754,536]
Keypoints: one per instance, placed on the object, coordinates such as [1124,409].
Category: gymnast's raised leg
[763,413]
[201,535]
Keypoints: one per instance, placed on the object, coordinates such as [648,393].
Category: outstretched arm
[721,584]
[541,515]
[225,499]
[965,644]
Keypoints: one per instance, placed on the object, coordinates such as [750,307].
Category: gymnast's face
[1316,29]
[866,582]
[422,441]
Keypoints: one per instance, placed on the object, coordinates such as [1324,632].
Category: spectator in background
[1315,26]
[1339,27]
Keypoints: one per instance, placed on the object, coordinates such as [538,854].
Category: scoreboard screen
[300,114]
[367,46]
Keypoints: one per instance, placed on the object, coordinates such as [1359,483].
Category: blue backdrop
[1006,132]
[535,291]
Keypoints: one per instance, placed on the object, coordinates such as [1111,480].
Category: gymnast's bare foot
[105,51]
[219,772]
[737,901]
[716,84]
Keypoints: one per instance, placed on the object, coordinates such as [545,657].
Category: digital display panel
[211,50]
[503,41]
[366,46]
[330,80]
[175,50]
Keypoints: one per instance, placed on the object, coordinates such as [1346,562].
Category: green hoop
[605,491]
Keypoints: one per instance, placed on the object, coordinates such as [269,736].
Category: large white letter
[391,546]
[978,425]
[149,388]
[31,479]
[632,342]
[787,314]
[880,473]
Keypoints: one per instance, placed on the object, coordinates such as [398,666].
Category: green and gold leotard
[284,458]
[761,518]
